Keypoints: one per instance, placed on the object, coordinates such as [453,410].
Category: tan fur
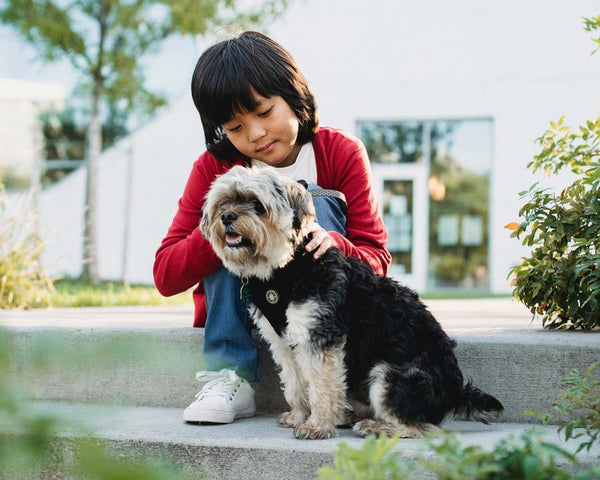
[294,386]
[325,372]
[383,420]
[272,246]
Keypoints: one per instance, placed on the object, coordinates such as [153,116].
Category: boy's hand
[321,240]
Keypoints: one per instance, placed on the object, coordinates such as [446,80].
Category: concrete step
[148,356]
[253,448]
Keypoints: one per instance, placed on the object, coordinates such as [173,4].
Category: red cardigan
[184,257]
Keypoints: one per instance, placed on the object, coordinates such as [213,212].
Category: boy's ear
[301,203]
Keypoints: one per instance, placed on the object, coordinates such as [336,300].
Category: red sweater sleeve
[346,168]
[184,257]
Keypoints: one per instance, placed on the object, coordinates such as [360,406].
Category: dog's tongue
[232,239]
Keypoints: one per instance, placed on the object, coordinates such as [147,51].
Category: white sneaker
[224,397]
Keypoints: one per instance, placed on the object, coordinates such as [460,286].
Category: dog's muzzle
[232,237]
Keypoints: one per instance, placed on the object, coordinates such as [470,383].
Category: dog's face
[254,219]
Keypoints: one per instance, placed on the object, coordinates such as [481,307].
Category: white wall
[520,63]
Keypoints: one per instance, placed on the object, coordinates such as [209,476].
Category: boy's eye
[265,113]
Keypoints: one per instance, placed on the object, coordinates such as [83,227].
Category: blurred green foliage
[526,457]
[29,445]
[580,402]
[581,398]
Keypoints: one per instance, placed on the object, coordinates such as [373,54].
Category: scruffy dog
[353,348]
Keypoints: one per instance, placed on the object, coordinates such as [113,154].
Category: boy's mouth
[266,148]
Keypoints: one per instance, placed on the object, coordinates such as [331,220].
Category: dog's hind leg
[382,396]
[354,412]
[326,376]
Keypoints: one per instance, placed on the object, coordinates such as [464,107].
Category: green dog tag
[245,292]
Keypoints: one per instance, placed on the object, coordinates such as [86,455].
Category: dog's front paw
[312,430]
[291,419]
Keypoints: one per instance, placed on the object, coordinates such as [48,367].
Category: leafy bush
[561,278]
[375,461]
[525,457]
[579,400]
[23,282]
[582,398]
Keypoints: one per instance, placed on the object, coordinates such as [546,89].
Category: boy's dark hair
[226,75]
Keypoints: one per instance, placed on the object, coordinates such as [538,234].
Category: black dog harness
[272,297]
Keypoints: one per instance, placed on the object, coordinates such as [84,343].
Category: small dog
[353,348]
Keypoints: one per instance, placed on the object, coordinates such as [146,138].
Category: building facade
[448,98]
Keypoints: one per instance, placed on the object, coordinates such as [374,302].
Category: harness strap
[325,192]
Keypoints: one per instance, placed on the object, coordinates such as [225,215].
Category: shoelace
[222,383]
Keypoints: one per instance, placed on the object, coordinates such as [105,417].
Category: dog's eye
[258,207]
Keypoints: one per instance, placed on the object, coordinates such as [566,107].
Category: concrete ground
[471,315]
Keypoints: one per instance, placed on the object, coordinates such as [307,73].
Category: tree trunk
[94,147]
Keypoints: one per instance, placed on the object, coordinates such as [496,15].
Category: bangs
[231,93]
[231,88]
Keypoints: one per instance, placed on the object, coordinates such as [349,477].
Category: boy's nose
[255,133]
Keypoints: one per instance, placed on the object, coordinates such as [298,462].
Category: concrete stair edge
[252,448]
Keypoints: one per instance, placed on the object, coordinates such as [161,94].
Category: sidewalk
[477,315]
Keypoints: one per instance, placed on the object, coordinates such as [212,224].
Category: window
[457,156]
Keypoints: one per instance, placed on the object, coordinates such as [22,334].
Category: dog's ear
[301,203]
[204,225]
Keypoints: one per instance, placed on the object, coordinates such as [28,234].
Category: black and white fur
[357,349]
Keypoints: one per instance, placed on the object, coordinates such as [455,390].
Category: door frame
[418,174]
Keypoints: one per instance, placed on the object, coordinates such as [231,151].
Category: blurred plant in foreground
[525,457]
[29,444]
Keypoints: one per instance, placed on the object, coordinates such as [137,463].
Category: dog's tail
[478,405]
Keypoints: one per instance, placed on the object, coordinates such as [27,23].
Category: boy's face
[267,133]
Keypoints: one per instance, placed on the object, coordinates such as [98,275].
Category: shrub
[561,278]
[374,461]
[525,457]
[579,400]
[23,282]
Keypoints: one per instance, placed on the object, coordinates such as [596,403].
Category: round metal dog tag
[272,296]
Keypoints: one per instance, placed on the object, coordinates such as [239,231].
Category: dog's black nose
[228,218]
